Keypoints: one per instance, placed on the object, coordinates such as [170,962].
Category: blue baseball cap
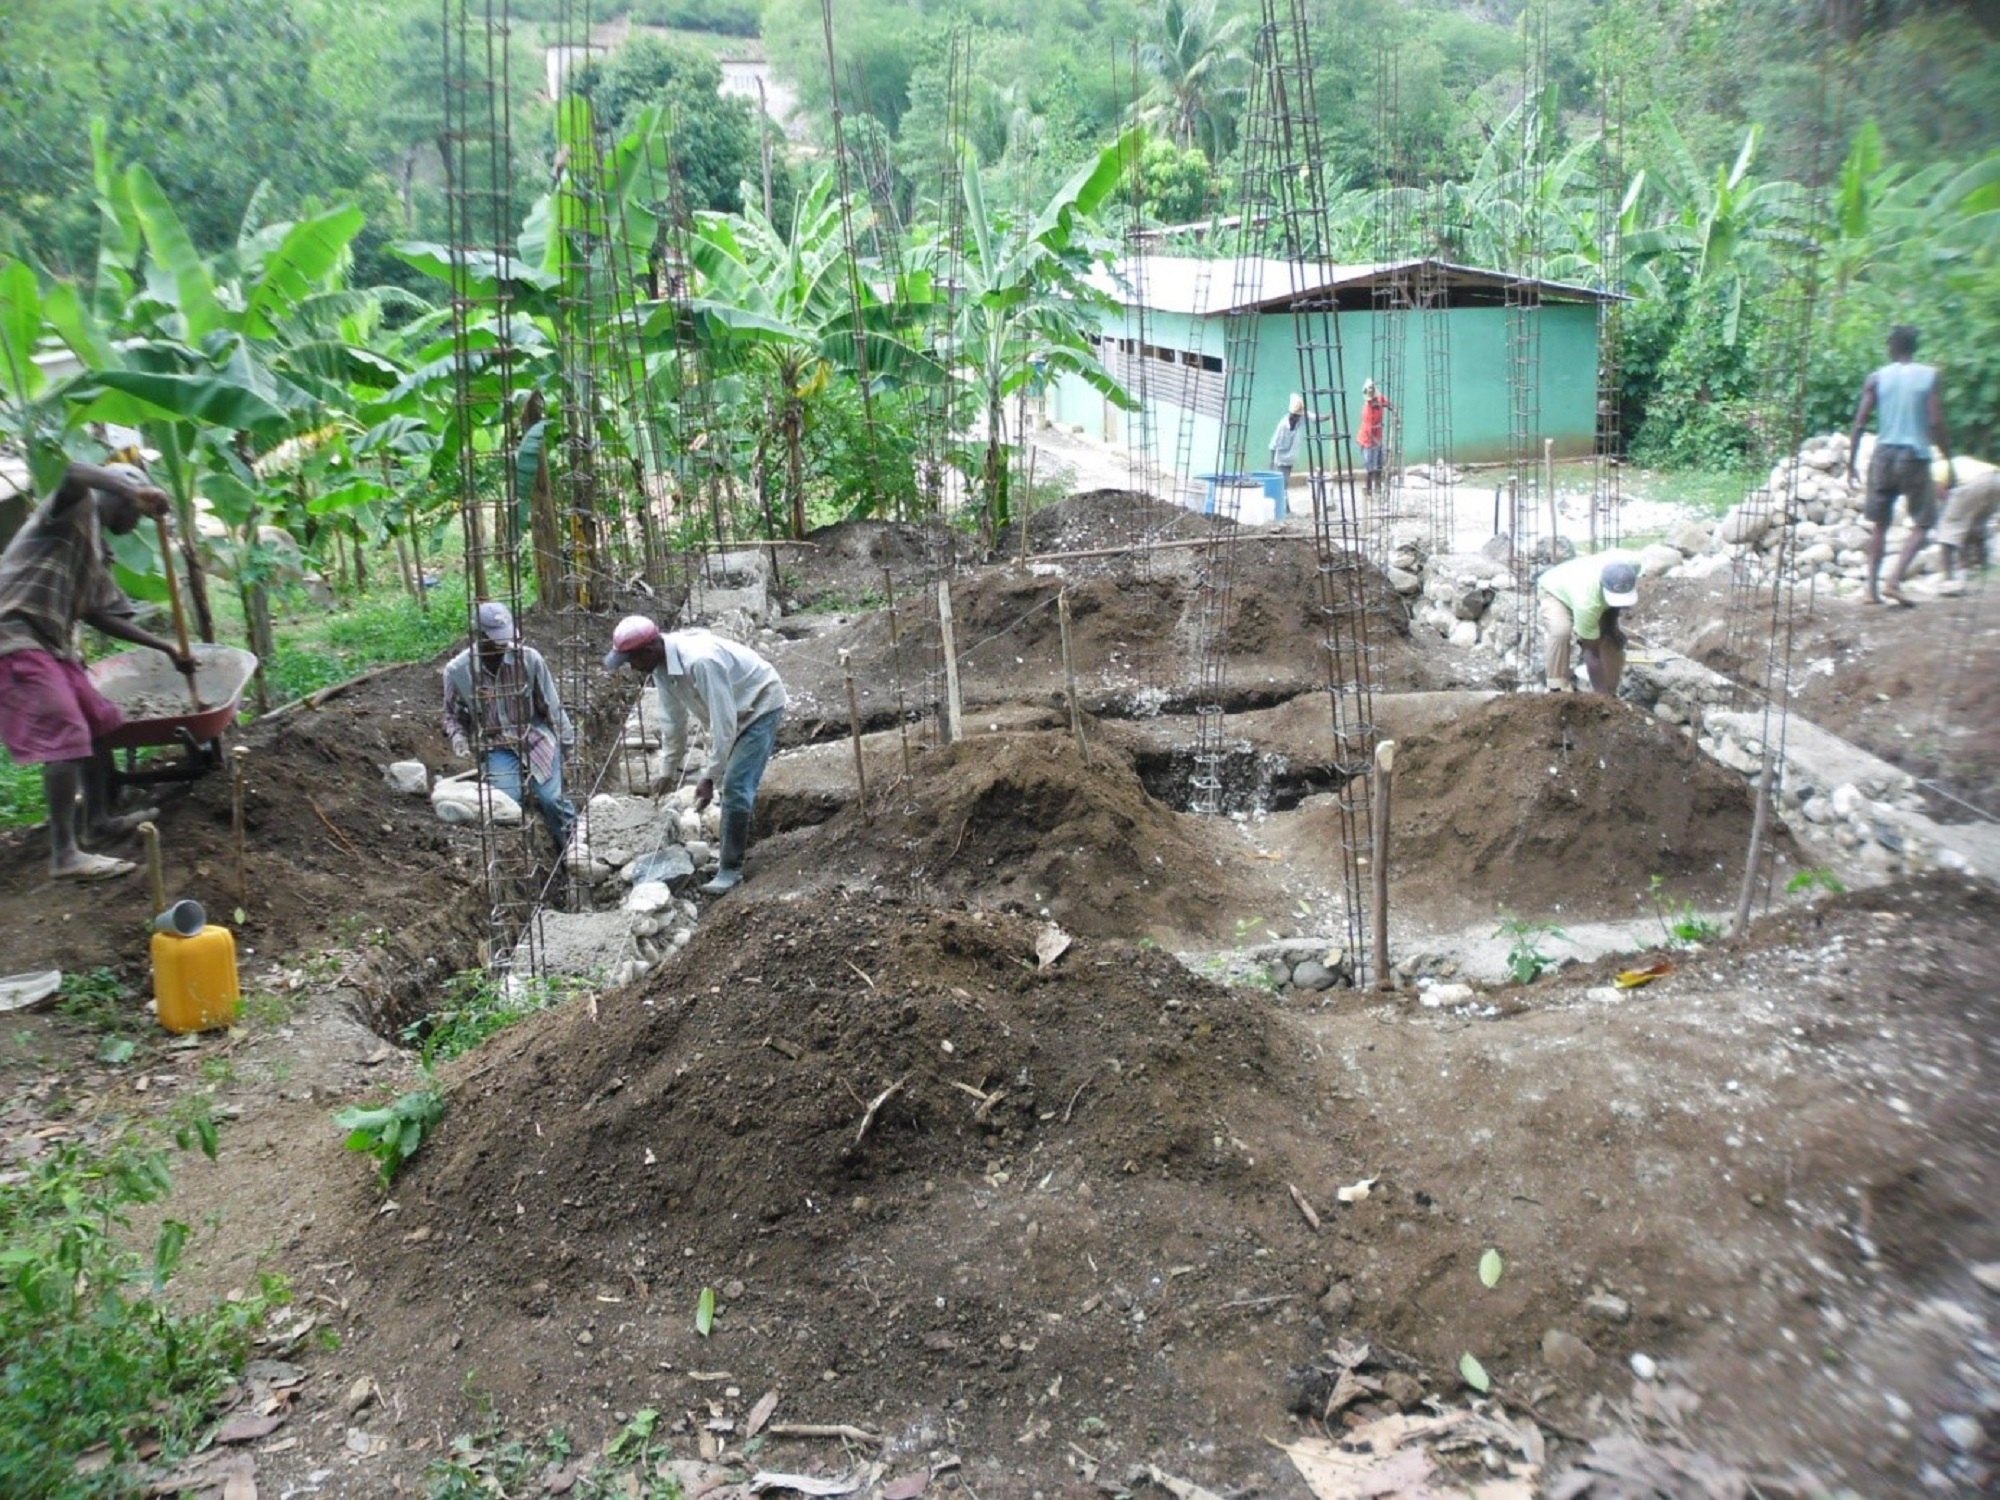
[1621,584]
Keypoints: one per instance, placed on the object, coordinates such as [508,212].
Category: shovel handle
[174,600]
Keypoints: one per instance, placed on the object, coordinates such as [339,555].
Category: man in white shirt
[736,693]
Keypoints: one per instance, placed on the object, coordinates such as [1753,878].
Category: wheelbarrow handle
[180,616]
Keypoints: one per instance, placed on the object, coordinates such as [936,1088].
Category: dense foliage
[226,227]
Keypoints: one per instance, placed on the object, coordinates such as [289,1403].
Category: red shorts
[50,709]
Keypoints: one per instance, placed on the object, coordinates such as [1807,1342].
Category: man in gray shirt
[736,693]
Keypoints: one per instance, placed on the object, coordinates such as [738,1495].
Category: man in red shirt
[1375,408]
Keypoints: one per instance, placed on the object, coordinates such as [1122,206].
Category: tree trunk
[544,528]
[411,584]
[197,582]
[360,562]
[795,465]
[339,561]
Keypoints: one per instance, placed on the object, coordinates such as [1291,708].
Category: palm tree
[1197,67]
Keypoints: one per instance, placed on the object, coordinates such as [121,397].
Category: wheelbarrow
[153,696]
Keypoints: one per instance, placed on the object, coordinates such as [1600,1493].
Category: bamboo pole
[180,616]
[1385,770]
[954,727]
[854,733]
[1069,677]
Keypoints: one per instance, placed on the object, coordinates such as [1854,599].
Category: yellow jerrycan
[195,986]
[194,970]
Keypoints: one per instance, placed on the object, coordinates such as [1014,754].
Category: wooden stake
[854,732]
[237,757]
[1549,489]
[1760,824]
[1069,677]
[174,600]
[954,728]
[896,664]
[1385,768]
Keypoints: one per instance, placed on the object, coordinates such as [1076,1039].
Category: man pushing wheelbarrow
[53,575]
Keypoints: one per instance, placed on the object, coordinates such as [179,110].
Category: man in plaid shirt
[503,699]
[53,575]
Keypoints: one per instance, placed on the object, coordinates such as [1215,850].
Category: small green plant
[1526,960]
[473,1008]
[97,998]
[865,602]
[95,1353]
[21,799]
[267,1008]
[1680,924]
[487,1464]
[1808,881]
[393,1133]
[1246,928]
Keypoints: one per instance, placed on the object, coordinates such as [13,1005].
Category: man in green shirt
[1581,602]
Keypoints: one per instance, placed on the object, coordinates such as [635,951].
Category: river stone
[1742,526]
[649,896]
[1689,537]
[1469,600]
[1655,560]
[1312,975]
[408,778]
[667,865]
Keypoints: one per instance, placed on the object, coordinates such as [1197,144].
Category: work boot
[735,839]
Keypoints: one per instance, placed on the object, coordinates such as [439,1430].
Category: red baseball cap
[633,633]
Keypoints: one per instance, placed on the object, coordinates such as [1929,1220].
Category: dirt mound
[1276,609]
[1105,518]
[848,561]
[1017,821]
[1554,805]
[903,1156]
[1136,639]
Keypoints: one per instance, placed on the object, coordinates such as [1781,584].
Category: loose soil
[1136,640]
[329,853]
[1564,805]
[1070,1223]
[1018,821]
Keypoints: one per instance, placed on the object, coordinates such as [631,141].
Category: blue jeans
[503,771]
[747,760]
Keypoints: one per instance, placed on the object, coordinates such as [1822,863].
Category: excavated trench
[1253,781]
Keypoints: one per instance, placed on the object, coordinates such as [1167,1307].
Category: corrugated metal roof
[1188,284]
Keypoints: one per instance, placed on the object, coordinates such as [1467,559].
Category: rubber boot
[735,839]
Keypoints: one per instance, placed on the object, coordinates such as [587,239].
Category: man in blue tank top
[1910,420]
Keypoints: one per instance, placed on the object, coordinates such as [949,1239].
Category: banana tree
[782,307]
[218,359]
[1725,232]
[1026,311]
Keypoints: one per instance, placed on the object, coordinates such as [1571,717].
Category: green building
[1167,340]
